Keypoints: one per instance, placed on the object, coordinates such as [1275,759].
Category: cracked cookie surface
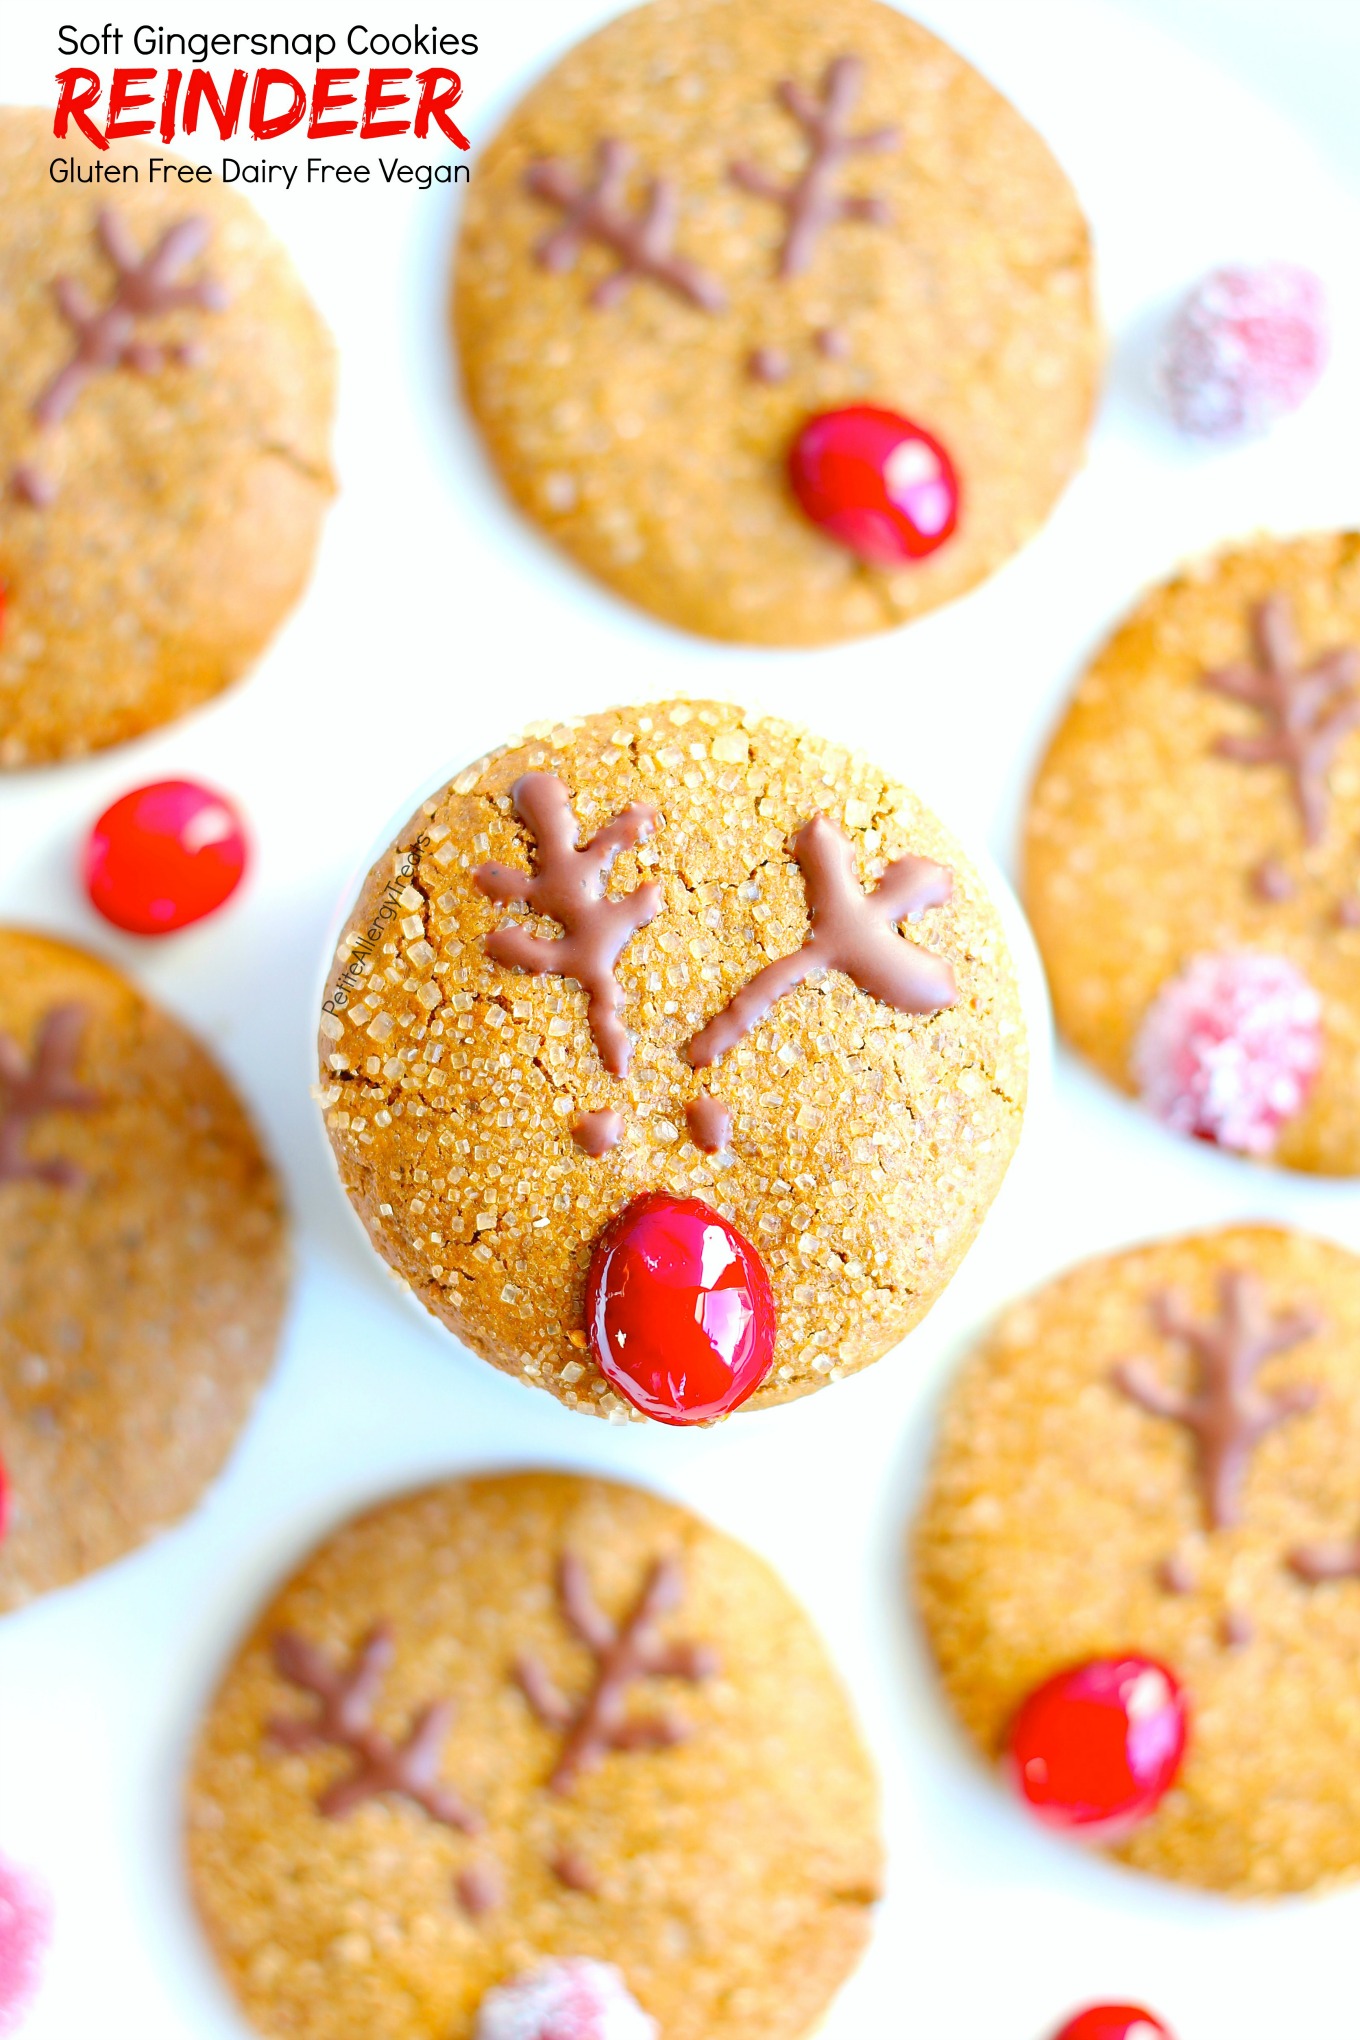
[648,435]
[865,1143]
[728,1874]
[155,534]
[143,1268]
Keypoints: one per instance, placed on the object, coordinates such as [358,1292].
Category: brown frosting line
[1226,1413]
[479,1890]
[569,888]
[1306,710]
[1316,1563]
[1176,1575]
[811,201]
[595,1133]
[32,486]
[644,241]
[108,337]
[571,1869]
[345,1719]
[624,1653]
[709,1123]
[30,1089]
[851,931]
[1272,881]
[769,365]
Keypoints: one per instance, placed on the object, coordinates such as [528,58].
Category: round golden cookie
[866,1143]
[166,391]
[143,1265]
[649,436]
[719,1843]
[1148,844]
[1067,1519]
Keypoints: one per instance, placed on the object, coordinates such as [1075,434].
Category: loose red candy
[164,856]
[679,1311]
[1095,1749]
[878,483]
[1114,2022]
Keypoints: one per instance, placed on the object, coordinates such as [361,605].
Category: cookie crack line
[275,449]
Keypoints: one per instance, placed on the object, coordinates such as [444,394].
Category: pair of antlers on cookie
[644,241]
[851,930]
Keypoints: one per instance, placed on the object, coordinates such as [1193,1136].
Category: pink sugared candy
[1097,1747]
[164,856]
[1114,2022]
[25,1926]
[575,1999]
[1244,349]
[876,482]
[1229,1049]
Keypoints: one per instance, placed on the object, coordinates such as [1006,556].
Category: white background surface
[435,622]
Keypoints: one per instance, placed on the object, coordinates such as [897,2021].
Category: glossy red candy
[1095,1749]
[876,482]
[1114,2022]
[679,1311]
[164,856]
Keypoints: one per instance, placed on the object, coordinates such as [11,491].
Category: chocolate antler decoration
[345,1719]
[596,1724]
[811,200]
[30,1090]
[107,337]
[569,887]
[852,931]
[1307,711]
[644,241]
[1227,1414]
[1318,1562]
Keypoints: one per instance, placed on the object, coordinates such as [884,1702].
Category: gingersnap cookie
[1192,854]
[1138,1561]
[166,390]
[779,319]
[143,1266]
[673,1057]
[533,1742]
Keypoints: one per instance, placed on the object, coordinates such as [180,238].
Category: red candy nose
[164,856]
[1114,2022]
[679,1310]
[876,482]
[1096,1748]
